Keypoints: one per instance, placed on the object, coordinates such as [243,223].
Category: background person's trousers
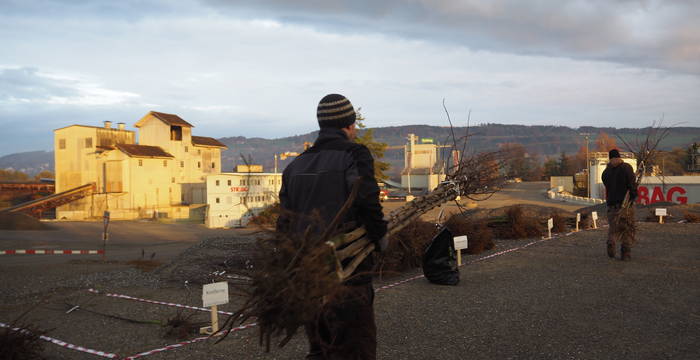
[345,327]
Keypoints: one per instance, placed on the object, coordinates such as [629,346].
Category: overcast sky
[236,69]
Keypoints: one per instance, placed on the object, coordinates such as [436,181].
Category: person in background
[619,180]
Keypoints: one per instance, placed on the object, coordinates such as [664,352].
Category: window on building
[186,149]
[172,180]
[243,182]
[217,182]
[176,133]
[165,163]
[199,164]
[88,143]
[61,143]
[140,162]
[229,182]
[213,165]
[218,200]
[182,164]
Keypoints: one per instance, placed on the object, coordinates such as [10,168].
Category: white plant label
[660,212]
[594,215]
[461,242]
[578,217]
[550,224]
[215,294]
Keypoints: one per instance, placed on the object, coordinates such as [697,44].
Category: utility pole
[587,136]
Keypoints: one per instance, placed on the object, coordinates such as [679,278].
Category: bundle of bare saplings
[294,275]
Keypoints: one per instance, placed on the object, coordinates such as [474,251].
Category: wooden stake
[459,257]
[208,330]
[578,219]
[214,319]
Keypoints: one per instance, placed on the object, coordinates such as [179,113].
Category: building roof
[170,119]
[93,127]
[134,150]
[206,141]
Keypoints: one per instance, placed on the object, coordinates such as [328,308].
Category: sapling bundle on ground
[516,225]
[691,217]
[182,326]
[480,236]
[406,248]
[559,223]
[295,274]
[21,340]
[267,217]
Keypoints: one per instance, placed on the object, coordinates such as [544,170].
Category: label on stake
[461,242]
[215,294]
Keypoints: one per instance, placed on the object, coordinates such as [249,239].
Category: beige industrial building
[422,166]
[161,176]
[234,198]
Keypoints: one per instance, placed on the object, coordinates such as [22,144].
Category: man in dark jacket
[619,179]
[314,188]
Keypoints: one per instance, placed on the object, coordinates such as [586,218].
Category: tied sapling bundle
[646,152]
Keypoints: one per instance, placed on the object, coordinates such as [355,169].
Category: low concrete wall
[573,198]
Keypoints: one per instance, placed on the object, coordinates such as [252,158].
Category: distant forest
[541,145]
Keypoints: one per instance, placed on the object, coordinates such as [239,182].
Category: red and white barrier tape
[181,344]
[127,297]
[65,344]
[50,252]
[382,288]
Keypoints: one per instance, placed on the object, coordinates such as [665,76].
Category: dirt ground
[558,298]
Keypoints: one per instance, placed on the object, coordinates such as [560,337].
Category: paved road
[126,240]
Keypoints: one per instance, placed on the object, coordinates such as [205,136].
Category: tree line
[19,176]
[532,167]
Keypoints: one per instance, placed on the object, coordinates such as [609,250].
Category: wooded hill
[543,141]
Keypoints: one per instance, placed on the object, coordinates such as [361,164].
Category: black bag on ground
[440,259]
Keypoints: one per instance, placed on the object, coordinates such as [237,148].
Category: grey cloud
[26,84]
[652,33]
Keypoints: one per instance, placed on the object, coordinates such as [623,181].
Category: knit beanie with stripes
[335,111]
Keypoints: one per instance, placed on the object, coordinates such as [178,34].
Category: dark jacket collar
[327,134]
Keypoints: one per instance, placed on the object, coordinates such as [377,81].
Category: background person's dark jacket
[618,178]
[316,184]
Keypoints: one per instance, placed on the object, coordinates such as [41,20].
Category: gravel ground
[560,298]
